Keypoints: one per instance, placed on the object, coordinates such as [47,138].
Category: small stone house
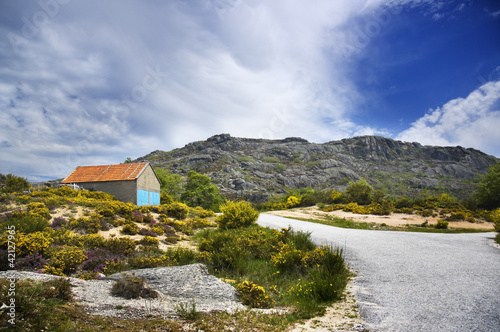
[132,182]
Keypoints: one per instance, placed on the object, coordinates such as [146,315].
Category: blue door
[154,198]
[142,197]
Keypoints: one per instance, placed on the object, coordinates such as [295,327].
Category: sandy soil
[394,219]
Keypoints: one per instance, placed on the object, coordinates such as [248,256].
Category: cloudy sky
[95,82]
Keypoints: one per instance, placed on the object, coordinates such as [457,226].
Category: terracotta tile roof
[120,172]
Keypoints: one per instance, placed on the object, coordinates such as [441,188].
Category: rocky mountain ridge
[256,168]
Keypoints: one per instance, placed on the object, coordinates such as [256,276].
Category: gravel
[416,281]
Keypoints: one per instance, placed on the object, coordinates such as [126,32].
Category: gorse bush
[236,215]
[176,210]
[26,222]
[254,295]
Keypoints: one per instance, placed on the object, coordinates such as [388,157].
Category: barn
[131,182]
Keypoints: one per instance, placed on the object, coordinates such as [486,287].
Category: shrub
[65,258]
[122,245]
[98,259]
[130,228]
[32,243]
[65,237]
[149,261]
[181,256]
[92,241]
[254,295]
[359,192]
[292,201]
[25,222]
[200,212]
[128,287]
[33,262]
[149,241]
[176,210]
[37,208]
[90,225]
[288,259]
[336,197]
[442,224]
[236,215]
[59,222]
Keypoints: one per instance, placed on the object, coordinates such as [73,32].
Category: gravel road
[416,281]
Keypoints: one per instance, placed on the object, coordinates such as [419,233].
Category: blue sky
[95,82]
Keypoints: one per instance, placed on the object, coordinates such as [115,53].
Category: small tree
[236,215]
[359,192]
[199,191]
[170,183]
[488,192]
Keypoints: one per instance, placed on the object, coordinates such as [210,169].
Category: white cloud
[473,121]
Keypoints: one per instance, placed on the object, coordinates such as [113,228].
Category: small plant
[188,312]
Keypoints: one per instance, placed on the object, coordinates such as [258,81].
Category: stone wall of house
[125,191]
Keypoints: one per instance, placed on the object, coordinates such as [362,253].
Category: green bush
[236,215]
[442,224]
[254,295]
[359,192]
[26,223]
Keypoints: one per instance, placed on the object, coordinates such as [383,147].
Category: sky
[95,82]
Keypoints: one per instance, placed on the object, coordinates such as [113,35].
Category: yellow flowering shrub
[65,258]
[200,212]
[92,241]
[62,237]
[32,243]
[336,196]
[292,201]
[38,208]
[288,258]
[495,217]
[254,295]
[122,245]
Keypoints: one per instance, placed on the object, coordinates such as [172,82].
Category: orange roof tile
[120,172]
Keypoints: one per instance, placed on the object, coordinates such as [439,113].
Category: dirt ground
[394,219]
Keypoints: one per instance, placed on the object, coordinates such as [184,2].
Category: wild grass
[285,264]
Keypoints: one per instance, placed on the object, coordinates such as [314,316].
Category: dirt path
[394,219]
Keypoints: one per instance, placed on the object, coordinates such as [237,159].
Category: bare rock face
[254,169]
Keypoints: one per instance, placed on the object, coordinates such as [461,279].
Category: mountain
[254,169]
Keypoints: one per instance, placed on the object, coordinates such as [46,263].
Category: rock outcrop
[256,168]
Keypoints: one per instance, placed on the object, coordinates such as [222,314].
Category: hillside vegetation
[90,235]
